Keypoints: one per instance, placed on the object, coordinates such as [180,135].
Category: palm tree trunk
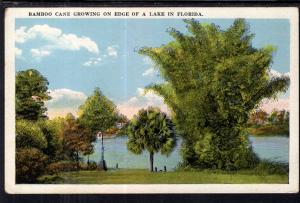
[151,161]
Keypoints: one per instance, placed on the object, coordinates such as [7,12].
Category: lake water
[274,148]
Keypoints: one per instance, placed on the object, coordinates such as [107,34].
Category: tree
[76,139]
[30,161]
[98,113]
[29,135]
[153,131]
[273,117]
[258,117]
[281,115]
[214,79]
[31,92]
[51,131]
[287,117]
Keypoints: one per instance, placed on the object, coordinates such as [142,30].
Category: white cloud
[269,105]
[39,53]
[21,36]
[92,61]
[142,100]
[74,43]
[150,71]
[58,94]
[273,73]
[18,52]
[112,51]
[55,39]
[64,101]
[133,100]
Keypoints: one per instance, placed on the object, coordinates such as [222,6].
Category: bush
[29,135]
[61,166]
[92,165]
[210,152]
[51,132]
[30,164]
[271,167]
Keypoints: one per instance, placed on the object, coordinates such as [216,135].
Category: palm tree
[153,131]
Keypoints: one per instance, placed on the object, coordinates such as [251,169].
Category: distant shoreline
[269,130]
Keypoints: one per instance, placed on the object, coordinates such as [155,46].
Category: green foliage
[153,131]
[121,118]
[31,92]
[28,135]
[51,131]
[214,79]
[269,167]
[30,164]
[123,130]
[98,113]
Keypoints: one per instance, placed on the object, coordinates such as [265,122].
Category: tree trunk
[151,161]
[88,161]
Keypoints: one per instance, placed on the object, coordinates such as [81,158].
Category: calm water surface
[272,148]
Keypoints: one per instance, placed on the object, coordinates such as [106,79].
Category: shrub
[29,135]
[51,131]
[271,167]
[30,164]
[61,166]
[92,165]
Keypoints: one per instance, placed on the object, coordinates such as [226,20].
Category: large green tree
[98,113]
[31,93]
[214,80]
[153,131]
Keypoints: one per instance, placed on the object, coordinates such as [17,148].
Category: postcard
[151,100]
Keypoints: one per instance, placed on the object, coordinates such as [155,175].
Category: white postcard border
[226,12]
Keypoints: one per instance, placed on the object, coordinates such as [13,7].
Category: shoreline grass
[143,176]
[269,130]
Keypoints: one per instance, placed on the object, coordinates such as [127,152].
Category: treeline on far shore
[262,123]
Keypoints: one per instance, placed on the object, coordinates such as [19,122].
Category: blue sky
[77,55]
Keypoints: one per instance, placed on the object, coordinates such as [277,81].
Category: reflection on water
[272,148]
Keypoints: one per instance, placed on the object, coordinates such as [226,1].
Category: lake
[274,148]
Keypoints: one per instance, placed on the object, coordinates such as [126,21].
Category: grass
[142,176]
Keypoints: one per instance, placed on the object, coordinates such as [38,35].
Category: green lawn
[140,176]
